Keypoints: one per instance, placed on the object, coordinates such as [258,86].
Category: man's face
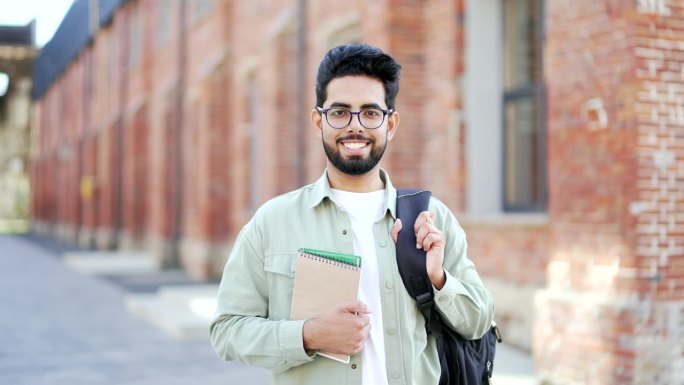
[355,150]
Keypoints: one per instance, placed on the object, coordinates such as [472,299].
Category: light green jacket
[252,320]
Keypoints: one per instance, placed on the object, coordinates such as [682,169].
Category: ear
[392,125]
[317,120]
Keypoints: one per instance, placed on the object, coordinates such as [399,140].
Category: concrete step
[174,320]
[198,299]
[111,262]
[184,311]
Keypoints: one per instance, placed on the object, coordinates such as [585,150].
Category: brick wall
[612,313]
[658,238]
[441,133]
[511,253]
[128,134]
[206,130]
[609,252]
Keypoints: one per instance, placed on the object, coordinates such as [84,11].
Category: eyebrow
[363,106]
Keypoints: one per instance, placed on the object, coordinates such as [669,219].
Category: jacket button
[344,232]
[353,366]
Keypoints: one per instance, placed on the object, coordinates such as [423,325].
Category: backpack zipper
[488,377]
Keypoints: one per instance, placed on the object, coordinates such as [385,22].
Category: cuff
[452,287]
[291,344]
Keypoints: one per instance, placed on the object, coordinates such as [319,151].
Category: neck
[367,182]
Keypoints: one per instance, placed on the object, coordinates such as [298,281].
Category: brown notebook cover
[322,280]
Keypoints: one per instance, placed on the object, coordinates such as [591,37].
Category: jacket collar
[322,190]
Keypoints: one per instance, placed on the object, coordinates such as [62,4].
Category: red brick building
[554,129]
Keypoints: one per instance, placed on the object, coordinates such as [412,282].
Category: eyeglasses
[341,117]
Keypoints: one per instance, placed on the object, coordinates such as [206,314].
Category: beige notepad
[322,280]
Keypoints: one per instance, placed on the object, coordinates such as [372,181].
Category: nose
[355,124]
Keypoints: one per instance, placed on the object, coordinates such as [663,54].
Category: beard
[355,165]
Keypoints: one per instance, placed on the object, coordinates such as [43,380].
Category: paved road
[60,327]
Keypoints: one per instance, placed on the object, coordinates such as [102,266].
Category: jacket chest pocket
[280,271]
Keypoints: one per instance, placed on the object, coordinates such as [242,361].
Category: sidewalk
[74,325]
[61,327]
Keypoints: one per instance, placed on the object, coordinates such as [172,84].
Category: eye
[338,112]
[372,113]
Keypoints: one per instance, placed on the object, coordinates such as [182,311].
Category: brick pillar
[405,30]
[72,200]
[442,167]
[207,188]
[107,179]
[613,311]
[285,92]
[217,199]
[164,191]
[40,199]
[88,192]
[134,196]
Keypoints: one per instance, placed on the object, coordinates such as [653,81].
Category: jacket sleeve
[241,329]
[464,303]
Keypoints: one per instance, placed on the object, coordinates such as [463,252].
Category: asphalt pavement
[61,327]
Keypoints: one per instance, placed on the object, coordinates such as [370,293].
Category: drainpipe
[301,92]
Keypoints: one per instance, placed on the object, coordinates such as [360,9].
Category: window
[524,123]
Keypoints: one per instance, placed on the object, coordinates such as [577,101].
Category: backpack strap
[461,361]
[411,261]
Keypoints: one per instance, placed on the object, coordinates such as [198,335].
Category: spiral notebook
[322,280]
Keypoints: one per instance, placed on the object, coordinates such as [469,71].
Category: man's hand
[430,239]
[342,329]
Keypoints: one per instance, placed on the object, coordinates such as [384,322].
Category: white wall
[483,106]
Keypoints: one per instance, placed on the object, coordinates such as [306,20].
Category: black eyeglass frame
[385,113]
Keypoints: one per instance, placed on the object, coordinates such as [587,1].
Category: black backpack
[464,362]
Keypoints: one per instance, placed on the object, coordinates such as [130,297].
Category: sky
[48,15]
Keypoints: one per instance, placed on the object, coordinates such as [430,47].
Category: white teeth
[354,146]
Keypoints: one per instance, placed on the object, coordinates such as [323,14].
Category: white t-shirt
[364,210]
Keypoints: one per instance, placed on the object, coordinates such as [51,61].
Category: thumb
[394,233]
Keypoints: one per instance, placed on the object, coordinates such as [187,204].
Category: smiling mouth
[354,145]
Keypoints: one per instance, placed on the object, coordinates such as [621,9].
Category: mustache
[355,137]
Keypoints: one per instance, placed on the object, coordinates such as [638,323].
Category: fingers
[427,233]
[342,329]
[364,323]
[423,217]
[395,230]
[358,326]
[362,336]
[432,238]
[355,307]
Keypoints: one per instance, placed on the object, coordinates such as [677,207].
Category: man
[350,209]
